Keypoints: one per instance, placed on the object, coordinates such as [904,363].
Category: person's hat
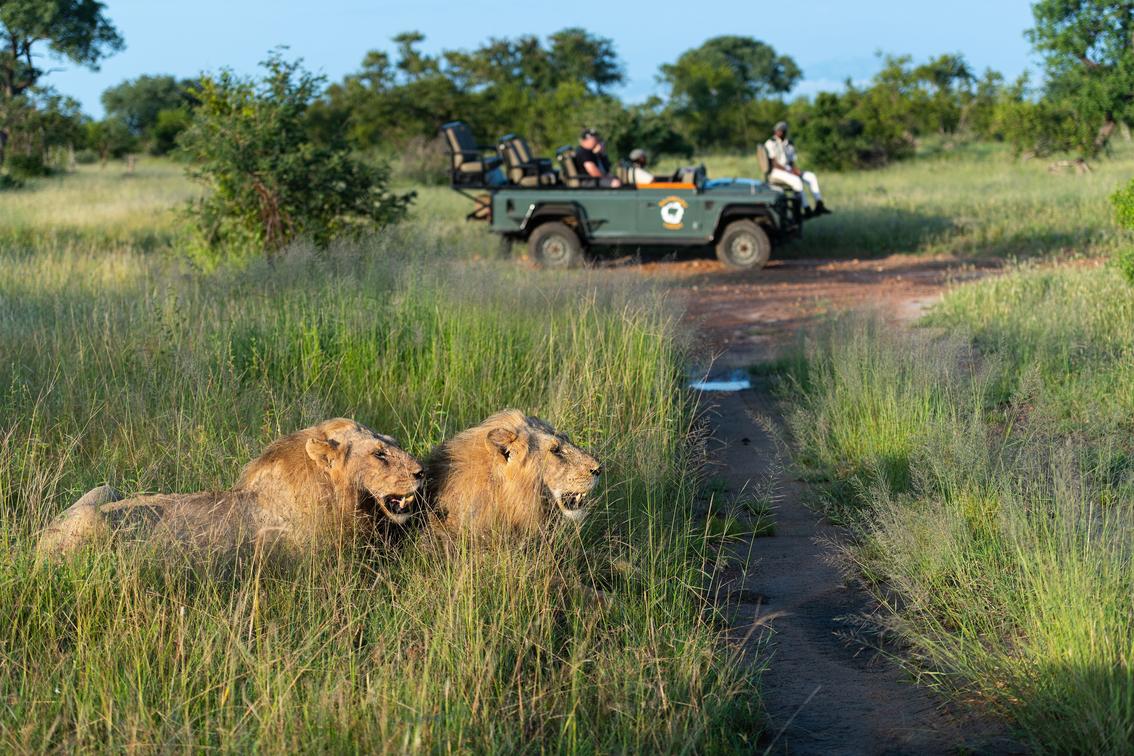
[637,155]
[588,132]
[781,126]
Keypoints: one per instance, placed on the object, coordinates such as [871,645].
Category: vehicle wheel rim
[554,249]
[743,248]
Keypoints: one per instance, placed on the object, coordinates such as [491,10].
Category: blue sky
[830,39]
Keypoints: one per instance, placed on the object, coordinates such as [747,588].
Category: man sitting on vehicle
[781,154]
[591,161]
[638,173]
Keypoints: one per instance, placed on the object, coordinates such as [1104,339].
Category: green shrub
[27,166]
[269,181]
[1123,201]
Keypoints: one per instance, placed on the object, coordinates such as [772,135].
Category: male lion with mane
[508,474]
[312,488]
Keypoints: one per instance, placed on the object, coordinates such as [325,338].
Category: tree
[146,102]
[544,89]
[110,138]
[76,30]
[1088,46]
[712,86]
[45,123]
[269,181]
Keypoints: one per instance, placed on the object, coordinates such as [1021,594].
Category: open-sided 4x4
[561,214]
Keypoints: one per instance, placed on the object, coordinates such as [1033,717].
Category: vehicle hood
[741,187]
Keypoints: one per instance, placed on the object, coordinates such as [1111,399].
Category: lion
[510,473]
[311,488]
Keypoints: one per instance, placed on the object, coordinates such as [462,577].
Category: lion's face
[566,473]
[371,464]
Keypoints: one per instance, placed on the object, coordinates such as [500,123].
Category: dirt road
[827,690]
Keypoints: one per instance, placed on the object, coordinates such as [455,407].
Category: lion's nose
[596,470]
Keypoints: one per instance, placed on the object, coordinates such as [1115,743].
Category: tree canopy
[76,30]
[1088,49]
[713,87]
[139,101]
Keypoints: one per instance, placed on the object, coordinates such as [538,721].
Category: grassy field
[975,200]
[988,476]
[126,362]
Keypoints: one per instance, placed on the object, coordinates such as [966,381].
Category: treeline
[724,95]
[46,130]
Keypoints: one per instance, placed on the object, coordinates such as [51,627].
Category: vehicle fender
[541,212]
[764,215]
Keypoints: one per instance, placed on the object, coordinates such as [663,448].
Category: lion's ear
[324,452]
[501,439]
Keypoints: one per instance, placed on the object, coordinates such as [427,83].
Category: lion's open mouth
[397,508]
[571,505]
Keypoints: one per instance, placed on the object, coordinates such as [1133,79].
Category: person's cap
[637,154]
[781,126]
[588,132]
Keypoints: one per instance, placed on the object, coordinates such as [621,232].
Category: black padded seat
[570,171]
[524,168]
[468,163]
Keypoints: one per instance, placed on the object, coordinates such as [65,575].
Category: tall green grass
[141,369]
[987,478]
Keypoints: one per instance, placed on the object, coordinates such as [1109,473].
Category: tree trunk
[1105,132]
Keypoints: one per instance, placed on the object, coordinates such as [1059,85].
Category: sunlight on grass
[124,362]
[990,491]
[972,201]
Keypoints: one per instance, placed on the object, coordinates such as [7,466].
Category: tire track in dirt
[826,688]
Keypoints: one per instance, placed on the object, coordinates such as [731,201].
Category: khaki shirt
[777,150]
[639,175]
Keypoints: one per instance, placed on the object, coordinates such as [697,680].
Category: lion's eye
[556,449]
[380,455]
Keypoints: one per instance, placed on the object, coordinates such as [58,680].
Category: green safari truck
[562,215]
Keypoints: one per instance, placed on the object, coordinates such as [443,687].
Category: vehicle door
[611,213]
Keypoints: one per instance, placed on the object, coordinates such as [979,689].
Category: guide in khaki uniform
[785,172]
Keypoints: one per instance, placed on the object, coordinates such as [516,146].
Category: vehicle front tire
[556,246]
[744,246]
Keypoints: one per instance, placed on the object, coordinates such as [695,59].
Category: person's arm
[592,170]
[642,176]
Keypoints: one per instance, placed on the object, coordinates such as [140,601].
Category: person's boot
[821,209]
[808,213]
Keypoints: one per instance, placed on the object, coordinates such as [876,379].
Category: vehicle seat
[569,171]
[469,166]
[524,168]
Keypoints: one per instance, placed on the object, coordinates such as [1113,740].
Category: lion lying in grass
[508,474]
[311,488]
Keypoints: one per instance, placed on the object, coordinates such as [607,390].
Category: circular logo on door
[672,211]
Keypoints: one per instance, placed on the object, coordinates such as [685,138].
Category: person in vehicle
[785,170]
[591,160]
[638,173]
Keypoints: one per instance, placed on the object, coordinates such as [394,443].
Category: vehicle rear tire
[744,246]
[556,246]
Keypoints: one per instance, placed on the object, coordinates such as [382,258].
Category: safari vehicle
[562,214]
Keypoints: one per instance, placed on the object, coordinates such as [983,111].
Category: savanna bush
[269,180]
[1123,201]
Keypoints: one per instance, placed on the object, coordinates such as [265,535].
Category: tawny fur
[510,473]
[316,486]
